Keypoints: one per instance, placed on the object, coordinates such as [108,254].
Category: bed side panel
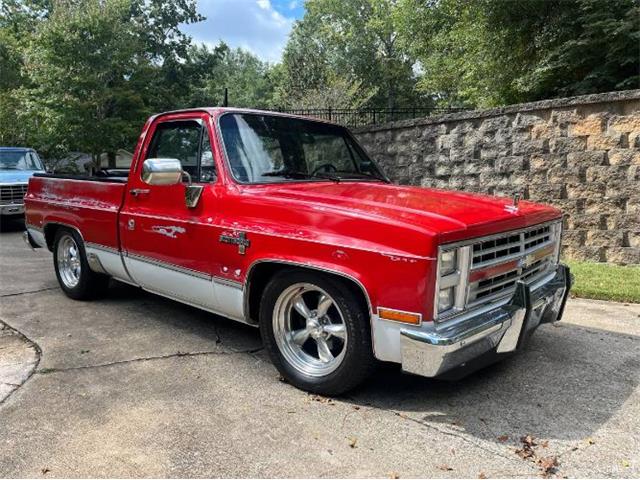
[90,206]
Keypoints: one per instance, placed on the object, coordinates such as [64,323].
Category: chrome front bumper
[10,209]
[501,330]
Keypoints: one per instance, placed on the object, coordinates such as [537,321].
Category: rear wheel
[75,277]
[316,331]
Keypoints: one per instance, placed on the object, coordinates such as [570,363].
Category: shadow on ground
[565,385]
[11,224]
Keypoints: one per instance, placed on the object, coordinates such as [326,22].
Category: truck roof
[221,110]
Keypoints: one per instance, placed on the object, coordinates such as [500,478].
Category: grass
[602,281]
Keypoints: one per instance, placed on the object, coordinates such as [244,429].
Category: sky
[260,26]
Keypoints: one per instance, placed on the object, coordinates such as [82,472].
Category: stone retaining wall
[581,154]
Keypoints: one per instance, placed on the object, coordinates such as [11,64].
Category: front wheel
[316,331]
[75,277]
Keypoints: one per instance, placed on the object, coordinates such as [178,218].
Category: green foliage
[247,78]
[334,92]
[353,43]
[86,73]
[489,52]
[82,75]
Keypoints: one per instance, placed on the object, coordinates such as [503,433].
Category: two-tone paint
[383,238]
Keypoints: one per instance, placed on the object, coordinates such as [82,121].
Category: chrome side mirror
[162,171]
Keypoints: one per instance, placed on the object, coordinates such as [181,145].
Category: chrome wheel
[309,329]
[69,264]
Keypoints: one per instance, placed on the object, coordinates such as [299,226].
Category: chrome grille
[512,245]
[10,194]
[505,282]
[531,252]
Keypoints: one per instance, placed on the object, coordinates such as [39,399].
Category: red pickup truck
[286,224]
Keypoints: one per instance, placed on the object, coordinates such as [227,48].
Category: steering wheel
[325,167]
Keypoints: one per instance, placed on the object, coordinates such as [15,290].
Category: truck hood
[449,215]
[16,176]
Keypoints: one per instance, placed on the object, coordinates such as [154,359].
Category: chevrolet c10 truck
[286,224]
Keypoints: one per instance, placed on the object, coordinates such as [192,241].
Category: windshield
[19,160]
[270,148]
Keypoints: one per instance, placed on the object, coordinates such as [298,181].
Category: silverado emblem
[240,239]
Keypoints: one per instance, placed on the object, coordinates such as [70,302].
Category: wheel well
[260,275]
[50,230]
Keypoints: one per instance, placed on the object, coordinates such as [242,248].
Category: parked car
[17,165]
[286,224]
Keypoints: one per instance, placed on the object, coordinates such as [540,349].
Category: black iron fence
[369,116]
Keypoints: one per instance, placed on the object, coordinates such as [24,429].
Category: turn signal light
[399,316]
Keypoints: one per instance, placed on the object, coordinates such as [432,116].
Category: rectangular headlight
[448,262]
[446,298]
[453,276]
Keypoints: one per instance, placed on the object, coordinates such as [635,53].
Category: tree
[357,41]
[92,70]
[490,52]
[247,78]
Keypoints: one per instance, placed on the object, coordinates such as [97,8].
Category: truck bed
[89,204]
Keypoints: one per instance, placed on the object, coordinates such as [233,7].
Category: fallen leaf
[45,470]
[528,440]
[548,465]
[625,463]
[525,453]
[394,475]
[353,442]
[356,407]
[545,444]
[503,438]
[482,475]
[445,467]
[590,441]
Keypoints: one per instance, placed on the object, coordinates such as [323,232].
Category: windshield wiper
[299,174]
[367,175]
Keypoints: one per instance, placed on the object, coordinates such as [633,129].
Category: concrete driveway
[136,385]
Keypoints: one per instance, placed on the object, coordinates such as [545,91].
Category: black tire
[358,361]
[90,284]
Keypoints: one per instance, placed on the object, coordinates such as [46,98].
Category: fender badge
[240,239]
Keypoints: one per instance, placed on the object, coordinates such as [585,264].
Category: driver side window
[187,141]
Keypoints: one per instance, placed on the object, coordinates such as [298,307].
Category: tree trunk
[112,159]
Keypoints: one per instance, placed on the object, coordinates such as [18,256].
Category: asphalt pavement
[137,385]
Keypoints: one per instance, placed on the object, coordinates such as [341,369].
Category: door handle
[139,191]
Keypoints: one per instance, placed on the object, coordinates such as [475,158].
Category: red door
[169,247]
